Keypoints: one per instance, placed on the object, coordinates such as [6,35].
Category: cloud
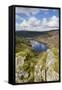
[53,22]
[44,21]
[30,24]
[18,17]
[34,24]
[27,11]
[18,26]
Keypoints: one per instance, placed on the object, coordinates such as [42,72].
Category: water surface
[38,46]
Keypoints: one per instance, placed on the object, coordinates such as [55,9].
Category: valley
[37,56]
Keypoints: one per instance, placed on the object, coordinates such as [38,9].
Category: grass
[32,58]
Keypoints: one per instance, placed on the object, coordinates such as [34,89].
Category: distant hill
[33,33]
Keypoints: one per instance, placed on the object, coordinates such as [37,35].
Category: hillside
[32,66]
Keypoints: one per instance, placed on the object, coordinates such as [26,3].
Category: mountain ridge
[33,33]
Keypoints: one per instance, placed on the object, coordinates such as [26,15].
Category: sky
[36,19]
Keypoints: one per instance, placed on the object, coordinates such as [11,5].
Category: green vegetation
[31,66]
[56,54]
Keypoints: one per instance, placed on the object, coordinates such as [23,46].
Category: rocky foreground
[33,66]
[40,70]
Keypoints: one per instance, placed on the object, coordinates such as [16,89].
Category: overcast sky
[36,19]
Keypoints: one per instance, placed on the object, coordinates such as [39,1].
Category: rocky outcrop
[42,71]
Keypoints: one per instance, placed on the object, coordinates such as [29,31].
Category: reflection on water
[37,46]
